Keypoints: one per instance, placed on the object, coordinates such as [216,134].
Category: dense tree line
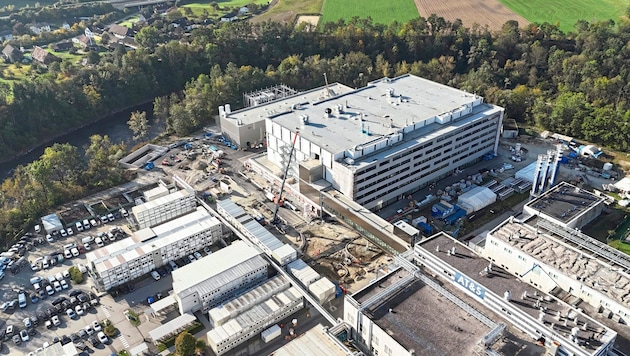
[575,84]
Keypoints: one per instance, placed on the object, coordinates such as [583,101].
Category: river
[114,126]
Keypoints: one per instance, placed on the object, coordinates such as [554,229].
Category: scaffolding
[266,95]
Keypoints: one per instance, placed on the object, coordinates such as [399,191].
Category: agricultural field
[384,12]
[287,10]
[567,12]
[489,13]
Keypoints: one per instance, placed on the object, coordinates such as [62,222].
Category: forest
[575,83]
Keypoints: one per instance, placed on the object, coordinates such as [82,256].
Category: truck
[271,333]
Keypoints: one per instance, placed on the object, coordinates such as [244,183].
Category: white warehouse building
[382,142]
[219,277]
[161,207]
[151,248]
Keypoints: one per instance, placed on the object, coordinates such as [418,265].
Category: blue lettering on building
[470,285]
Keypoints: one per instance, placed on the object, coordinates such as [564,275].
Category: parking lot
[66,296]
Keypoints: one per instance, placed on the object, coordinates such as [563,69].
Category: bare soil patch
[310,19]
[489,13]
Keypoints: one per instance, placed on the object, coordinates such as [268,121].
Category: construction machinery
[278,200]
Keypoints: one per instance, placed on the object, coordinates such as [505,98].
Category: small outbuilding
[51,223]
[476,199]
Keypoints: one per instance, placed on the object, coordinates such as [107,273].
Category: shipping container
[271,333]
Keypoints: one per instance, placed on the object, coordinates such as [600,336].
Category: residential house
[38,28]
[119,31]
[183,23]
[43,57]
[62,46]
[231,17]
[11,54]
[85,42]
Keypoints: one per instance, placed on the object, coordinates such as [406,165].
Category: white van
[86,224]
[79,226]
[87,239]
[173,265]
[155,275]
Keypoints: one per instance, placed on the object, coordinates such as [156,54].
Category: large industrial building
[162,205]
[378,143]
[151,248]
[566,263]
[566,205]
[219,277]
[245,316]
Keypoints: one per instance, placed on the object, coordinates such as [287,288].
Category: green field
[566,13]
[384,12]
[225,6]
[24,3]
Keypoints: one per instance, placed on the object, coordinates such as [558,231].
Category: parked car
[110,217]
[16,339]
[24,335]
[55,320]
[57,286]
[155,275]
[81,345]
[50,290]
[197,255]
[67,254]
[79,310]
[38,229]
[97,326]
[34,298]
[102,337]
[88,330]
[64,284]
[71,314]
[63,233]
[70,231]
[93,222]
[27,323]
[49,238]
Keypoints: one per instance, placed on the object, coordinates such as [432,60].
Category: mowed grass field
[380,11]
[226,6]
[566,13]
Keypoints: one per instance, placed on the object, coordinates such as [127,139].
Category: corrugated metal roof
[265,237]
[231,208]
[218,269]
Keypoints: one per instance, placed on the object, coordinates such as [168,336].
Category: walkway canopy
[171,328]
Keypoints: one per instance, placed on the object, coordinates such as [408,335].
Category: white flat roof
[175,324]
[165,234]
[414,100]
[210,266]
[314,342]
[160,201]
